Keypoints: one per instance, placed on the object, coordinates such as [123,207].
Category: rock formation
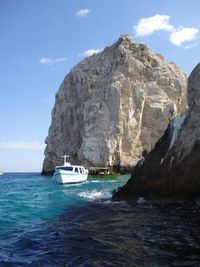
[170,172]
[113,105]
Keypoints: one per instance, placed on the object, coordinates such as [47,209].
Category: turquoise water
[43,223]
[30,198]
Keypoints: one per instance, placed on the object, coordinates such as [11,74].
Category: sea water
[43,223]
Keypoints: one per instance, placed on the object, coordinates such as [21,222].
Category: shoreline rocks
[114,105]
[170,172]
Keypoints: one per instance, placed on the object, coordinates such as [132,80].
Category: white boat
[67,173]
[1,173]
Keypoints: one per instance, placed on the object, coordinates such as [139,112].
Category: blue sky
[42,40]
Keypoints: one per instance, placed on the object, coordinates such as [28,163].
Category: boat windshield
[66,168]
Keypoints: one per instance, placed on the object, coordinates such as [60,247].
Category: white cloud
[51,61]
[147,26]
[82,13]
[90,52]
[183,35]
[22,145]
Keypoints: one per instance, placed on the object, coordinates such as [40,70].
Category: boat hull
[63,177]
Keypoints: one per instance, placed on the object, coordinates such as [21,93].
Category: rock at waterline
[171,170]
[113,105]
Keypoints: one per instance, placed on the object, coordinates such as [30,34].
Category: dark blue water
[46,224]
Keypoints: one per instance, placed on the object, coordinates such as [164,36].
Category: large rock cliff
[171,170]
[113,105]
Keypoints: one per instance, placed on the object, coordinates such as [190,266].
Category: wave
[95,195]
[141,200]
[74,184]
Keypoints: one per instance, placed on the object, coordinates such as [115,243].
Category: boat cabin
[72,168]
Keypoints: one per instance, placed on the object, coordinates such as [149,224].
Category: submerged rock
[170,172]
[113,105]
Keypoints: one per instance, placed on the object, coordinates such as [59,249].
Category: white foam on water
[95,195]
[102,181]
[141,200]
[73,185]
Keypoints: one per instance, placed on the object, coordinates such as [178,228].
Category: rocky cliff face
[113,105]
[171,170]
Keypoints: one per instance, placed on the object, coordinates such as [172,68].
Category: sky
[40,41]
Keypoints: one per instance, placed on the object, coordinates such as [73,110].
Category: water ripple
[45,224]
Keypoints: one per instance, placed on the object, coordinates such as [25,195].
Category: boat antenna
[65,158]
